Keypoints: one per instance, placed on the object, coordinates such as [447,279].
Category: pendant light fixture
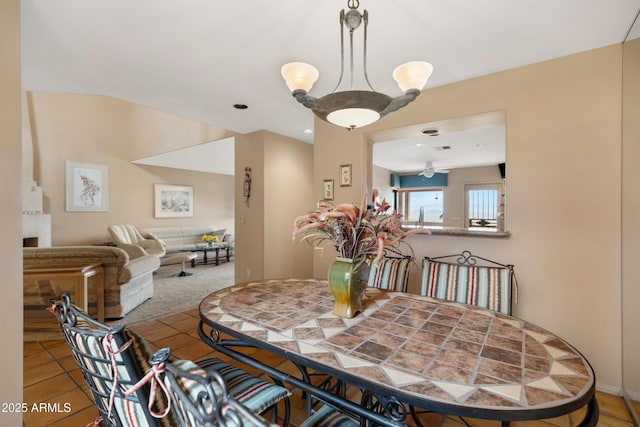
[355,108]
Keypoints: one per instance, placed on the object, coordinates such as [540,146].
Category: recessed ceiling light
[308,131]
[240,106]
[430,132]
[419,144]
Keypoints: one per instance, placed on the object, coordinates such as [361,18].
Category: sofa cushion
[127,283]
[74,256]
[139,266]
[182,238]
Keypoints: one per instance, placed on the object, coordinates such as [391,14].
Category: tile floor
[51,376]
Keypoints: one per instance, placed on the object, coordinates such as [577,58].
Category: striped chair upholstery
[251,391]
[328,416]
[202,397]
[96,348]
[90,342]
[469,279]
[390,273]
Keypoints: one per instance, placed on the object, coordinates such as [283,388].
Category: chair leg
[287,413]
[184,271]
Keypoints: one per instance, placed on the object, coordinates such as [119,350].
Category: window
[424,205]
[483,205]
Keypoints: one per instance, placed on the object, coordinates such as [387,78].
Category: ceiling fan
[428,170]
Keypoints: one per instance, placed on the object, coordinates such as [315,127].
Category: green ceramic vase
[348,282]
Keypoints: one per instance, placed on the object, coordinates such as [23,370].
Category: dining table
[403,351]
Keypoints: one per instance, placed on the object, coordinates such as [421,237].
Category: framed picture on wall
[327,189]
[173,201]
[345,175]
[87,187]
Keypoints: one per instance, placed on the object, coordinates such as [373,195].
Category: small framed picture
[345,175]
[327,189]
[87,187]
[173,201]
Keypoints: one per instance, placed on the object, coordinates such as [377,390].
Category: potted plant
[210,239]
[360,234]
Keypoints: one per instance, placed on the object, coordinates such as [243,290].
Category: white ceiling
[196,58]
[198,157]
[468,148]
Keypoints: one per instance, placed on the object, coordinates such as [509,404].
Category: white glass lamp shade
[412,75]
[352,118]
[299,75]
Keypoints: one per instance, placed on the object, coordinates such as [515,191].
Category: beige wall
[381,181]
[630,217]
[281,190]
[249,262]
[563,148]
[107,131]
[10,211]
[288,194]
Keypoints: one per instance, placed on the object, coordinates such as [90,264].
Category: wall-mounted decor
[327,189]
[345,175]
[87,187]
[247,184]
[173,201]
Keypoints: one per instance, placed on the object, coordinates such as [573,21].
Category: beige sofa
[183,238]
[127,282]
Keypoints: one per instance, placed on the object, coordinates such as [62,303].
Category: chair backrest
[110,362]
[125,234]
[469,279]
[201,398]
[390,273]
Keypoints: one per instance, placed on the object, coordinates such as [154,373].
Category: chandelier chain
[353,4]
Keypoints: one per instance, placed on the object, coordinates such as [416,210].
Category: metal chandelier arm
[400,102]
[303,98]
[354,108]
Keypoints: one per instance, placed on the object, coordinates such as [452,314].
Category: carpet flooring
[173,294]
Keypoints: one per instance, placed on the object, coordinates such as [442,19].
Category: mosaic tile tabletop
[421,347]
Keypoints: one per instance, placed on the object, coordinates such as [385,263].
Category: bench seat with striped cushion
[488,286]
[390,273]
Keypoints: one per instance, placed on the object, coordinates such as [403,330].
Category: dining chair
[115,366]
[202,398]
[391,273]
[470,279]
